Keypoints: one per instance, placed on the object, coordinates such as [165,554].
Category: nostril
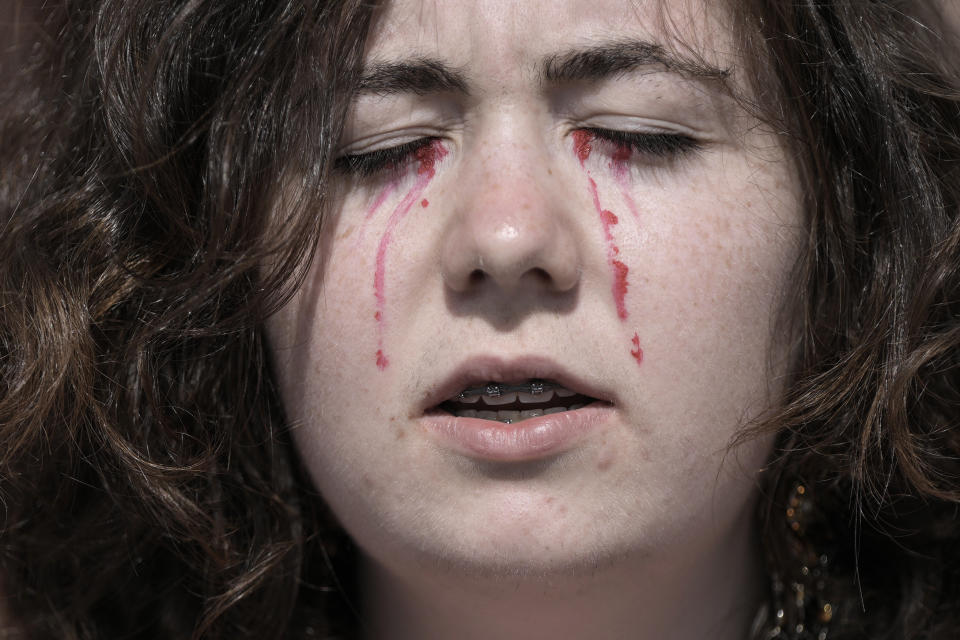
[542,275]
[476,277]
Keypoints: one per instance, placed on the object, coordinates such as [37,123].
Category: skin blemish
[424,203]
[606,459]
[637,352]
[427,158]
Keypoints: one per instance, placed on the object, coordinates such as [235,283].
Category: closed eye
[647,144]
[374,162]
[652,145]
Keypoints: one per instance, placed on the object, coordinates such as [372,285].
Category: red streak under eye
[427,158]
[620,285]
[608,219]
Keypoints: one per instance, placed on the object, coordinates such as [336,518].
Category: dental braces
[494,390]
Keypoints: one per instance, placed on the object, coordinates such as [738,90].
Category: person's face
[525,193]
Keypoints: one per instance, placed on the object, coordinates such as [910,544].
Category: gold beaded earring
[801,608]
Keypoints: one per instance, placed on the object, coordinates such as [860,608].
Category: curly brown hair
[148,484]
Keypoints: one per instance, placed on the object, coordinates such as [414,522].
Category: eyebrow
[418,76]
[422,75]
[621,56]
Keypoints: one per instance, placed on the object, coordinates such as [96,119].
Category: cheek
[719,270]
[327,325]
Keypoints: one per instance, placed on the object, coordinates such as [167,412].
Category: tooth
[511,416]
[577,406]
[487,415]
[533,413]
[554,410]
[564,393]
[504,398]
[530,398]
[469,413]
[467,399]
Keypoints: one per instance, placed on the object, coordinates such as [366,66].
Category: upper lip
[478,370]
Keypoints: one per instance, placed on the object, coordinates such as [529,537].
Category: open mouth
[509,403]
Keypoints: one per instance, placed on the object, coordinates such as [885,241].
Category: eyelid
[369,163]
[646,148]
[627,135]
[384,140]
[633,124]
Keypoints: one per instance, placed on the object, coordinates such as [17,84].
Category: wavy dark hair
[147,482]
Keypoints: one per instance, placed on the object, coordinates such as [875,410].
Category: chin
[515,532]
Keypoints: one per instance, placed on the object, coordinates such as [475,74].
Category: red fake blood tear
[637,352]
[427,158]
[620,284]
[581,144]
[621,155]
[608,219]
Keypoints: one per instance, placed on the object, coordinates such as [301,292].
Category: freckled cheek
[719,275]
[323,317]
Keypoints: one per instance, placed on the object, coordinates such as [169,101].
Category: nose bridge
[508,200]
[510,226]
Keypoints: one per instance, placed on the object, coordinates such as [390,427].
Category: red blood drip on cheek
[608,219]
[620,284]
[637,352]
[581,144]
[427,158]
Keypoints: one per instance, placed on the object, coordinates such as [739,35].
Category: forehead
[503,37]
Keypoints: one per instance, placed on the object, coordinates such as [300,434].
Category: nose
[511,229]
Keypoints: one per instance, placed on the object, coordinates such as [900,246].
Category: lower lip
[528,439]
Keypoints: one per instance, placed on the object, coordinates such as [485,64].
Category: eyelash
[661,146]
[656,146]
[373,162]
